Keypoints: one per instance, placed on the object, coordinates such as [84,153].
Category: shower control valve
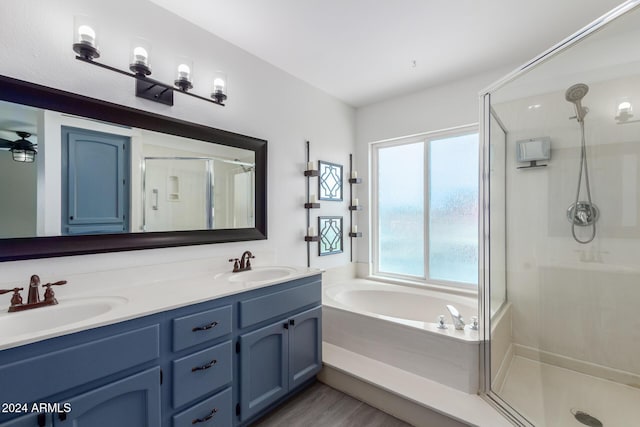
[441,324]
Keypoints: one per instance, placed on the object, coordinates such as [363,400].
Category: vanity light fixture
[184,75]
[85,46]
[219,86]
[139,63]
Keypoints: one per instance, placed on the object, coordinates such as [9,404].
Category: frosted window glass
[401,209]
[453,209]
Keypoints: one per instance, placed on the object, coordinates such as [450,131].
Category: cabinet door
[131,402]
[31,420]
[95,189]
[264,362]
[305,346]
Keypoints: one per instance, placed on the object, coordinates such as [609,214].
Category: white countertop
[129,302]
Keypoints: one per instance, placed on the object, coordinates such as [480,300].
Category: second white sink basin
[262,274]
[66,312]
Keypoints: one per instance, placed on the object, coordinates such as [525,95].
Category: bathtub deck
[466,408]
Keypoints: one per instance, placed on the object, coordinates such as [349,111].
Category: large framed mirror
[81,176]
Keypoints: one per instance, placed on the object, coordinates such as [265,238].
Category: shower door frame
[484,295]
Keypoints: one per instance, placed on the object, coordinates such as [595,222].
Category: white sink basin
[262,274]
[68,311]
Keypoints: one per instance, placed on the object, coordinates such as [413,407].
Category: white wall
[264,102]
[438,108]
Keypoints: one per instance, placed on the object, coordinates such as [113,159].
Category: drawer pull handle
[205,419]
[206,327]
[204,367]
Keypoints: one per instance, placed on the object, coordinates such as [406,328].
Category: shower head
[574,95]
[576,92]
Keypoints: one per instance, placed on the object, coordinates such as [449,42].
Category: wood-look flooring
[322,406]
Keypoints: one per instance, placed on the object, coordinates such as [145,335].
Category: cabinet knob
[286,325]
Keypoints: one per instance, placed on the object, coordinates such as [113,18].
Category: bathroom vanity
[228,357]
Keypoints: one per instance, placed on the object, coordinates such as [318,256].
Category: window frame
[374,248]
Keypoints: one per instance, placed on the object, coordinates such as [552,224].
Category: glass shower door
[565,343]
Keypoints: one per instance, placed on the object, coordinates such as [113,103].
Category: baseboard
[595,370]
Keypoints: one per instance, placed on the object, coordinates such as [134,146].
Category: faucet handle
[58,283]
[16,299]
[474,323]
[49,294]
[441,324]
[249,257]
[236,264]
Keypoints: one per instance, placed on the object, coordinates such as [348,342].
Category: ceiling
[364,51]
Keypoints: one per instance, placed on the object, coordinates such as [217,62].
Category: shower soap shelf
[532,164]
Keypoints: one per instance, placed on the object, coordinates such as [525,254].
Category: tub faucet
[458,321]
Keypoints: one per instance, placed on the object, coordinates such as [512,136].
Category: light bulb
[140,55]
[624,107]
[87,35]
[218,85]
[184,72]
[624,111]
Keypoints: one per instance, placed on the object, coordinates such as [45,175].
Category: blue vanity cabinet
[285,353]
[217,363]
[101,377]
[305,346]
[264,368]
[31,420]
[131,402]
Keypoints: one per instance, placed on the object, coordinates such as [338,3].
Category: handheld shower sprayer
[574,95]
[581,213]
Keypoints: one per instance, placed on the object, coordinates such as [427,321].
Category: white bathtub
[397,325]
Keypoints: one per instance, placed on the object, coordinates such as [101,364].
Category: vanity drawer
[201,372]
[201,327]
[258,309]
[219,407]
[29,379]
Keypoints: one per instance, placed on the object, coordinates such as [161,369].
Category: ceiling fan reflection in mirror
[22,150]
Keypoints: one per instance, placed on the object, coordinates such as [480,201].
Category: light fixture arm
[149,88]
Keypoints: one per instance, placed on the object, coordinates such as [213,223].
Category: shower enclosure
[561,249]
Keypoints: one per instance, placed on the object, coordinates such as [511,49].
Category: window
[425,208]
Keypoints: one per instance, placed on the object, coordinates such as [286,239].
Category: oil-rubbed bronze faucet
[242,264]
[33,298]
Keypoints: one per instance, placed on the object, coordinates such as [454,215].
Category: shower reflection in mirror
[94,177]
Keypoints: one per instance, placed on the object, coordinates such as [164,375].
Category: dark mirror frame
[26,93]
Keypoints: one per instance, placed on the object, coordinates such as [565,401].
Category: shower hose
[583,165]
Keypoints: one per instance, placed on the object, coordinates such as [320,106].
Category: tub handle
[441,324]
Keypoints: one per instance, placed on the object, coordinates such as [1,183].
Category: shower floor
[546,395]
